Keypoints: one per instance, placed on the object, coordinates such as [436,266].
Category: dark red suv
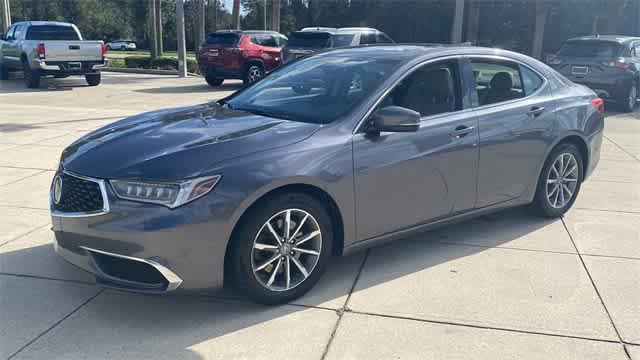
[246,55]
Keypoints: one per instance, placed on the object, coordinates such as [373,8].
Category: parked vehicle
[260,189]
[609,64]
[246,55]
[310,40]
[121,45]
[41,48]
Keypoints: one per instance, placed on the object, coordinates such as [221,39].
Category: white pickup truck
[41,48]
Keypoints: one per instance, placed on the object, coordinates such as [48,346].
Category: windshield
[317,89]
[342,40]
[309,40]
[222,39]
[52,32]
[599,49]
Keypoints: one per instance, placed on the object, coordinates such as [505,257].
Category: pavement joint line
[606,210]
[506,248]
[595,288]
[24,178]
[26,168]
[47,278]
[620,147]
[483,327]
[24,234]
[345,308]
[24,207]
[55,324]
[605,181]
[611,256]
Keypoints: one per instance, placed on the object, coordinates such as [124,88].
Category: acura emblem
[57,189]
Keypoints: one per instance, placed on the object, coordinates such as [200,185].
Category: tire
[628,101]
[246,259]
[31,77]
[213,81]
[123,48]
[252,74]
[93,79]
[4,73]
[553,203]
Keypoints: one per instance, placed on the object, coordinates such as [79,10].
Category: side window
[430,90]
[530,80]
[268,40]
[497,81]
[382,38]
[637,51]
[18,33]
[367,38]
[280,40]
[9,35]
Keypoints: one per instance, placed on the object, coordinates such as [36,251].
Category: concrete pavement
[503,286]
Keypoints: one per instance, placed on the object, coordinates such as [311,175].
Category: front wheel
[281,249]
[560,181]
[93,79]
[253,74]
[628,102]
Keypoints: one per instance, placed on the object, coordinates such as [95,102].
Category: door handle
[461,131]
[535,111]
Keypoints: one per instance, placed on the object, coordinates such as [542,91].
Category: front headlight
[169,194]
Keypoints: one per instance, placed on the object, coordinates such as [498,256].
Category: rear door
[8,57]
[516,112]
[403,179]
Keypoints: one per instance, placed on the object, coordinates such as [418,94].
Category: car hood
[178,143]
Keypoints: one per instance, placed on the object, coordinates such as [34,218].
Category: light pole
[264,12]
[6,15]
[182,49]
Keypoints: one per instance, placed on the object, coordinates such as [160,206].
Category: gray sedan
[326,156]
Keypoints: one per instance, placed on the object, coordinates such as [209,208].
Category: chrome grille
[79,195]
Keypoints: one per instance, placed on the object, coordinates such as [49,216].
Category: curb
[145,71]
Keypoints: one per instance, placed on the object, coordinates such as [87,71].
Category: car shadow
[178,325]
[15,84]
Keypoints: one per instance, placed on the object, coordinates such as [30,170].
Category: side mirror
[394,119]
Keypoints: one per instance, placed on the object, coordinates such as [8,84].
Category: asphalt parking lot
[504,286]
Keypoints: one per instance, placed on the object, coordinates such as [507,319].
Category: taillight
[619,63]
[598,103]
[41,51]
[553,60]
[104,49]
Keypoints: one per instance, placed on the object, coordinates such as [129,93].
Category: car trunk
[587,59]
[64,50]
[219,49]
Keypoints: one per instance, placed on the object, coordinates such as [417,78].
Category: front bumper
[149,248]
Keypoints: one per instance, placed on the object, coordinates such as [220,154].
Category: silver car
[121,45]
[326,156]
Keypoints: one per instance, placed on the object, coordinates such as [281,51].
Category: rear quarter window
[52,32]
[309,39]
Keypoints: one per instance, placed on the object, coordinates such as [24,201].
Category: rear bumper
[220,71]
[69,67]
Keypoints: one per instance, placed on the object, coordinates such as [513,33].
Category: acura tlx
[324,156]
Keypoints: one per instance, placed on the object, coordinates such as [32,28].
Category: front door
[405,179]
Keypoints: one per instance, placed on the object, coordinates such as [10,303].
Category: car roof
[419,52]
[345,30]
[240,32]
[621,39]
[40,23]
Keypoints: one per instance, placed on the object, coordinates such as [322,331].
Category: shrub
[163,63]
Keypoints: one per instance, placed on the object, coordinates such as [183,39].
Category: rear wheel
[628,101]
[31,77]
[281,249]
[213,81]
[253,74]
[93,79]
[560,181]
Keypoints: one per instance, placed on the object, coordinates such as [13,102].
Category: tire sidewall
[213,81]
[242,247]
[541,202]
[31,77]
[625,101]
[247,81]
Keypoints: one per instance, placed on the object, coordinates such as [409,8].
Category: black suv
[609,64]
[310,40]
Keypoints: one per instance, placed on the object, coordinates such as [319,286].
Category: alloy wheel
[255,74]
[633,95]
[562,180]
[286,250]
